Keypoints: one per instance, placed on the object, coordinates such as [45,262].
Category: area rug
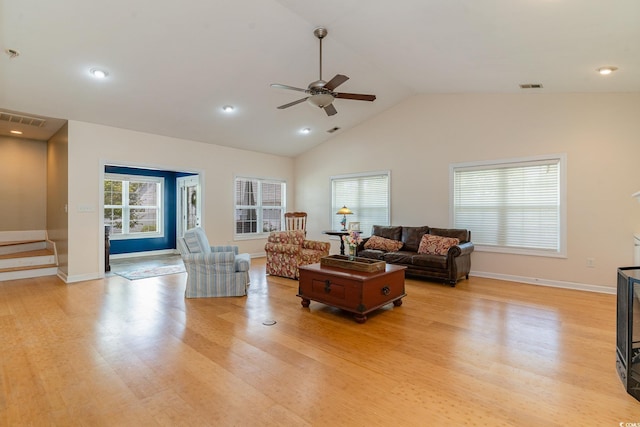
[151,272]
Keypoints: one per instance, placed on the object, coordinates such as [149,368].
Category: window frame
[560,159]
[259,207]
[126,208]
[365,229]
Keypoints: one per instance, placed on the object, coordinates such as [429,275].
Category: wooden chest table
[354,291]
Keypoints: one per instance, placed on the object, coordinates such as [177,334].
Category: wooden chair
[296,221]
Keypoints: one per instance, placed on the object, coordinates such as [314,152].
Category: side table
[338,233]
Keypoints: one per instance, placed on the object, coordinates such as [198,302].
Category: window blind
[511,205]
[259,206]
[367,195]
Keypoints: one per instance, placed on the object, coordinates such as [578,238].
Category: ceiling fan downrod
[320,33]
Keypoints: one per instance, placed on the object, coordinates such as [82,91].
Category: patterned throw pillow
[382,244]
[436,245]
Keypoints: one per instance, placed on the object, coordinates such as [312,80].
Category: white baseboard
[145,253]
[80,277]
[546,282]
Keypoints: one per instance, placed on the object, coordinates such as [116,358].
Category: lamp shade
[344,211]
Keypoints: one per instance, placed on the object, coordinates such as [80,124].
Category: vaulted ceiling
[172,65]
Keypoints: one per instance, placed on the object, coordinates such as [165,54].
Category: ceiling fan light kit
[321,93]
[320,100]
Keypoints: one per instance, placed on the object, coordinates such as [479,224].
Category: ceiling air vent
[531,86]
[23,120]
[332,130]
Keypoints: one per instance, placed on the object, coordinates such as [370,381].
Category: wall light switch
[86,208]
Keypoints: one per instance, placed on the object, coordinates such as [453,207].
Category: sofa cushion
[436,245]
[380,243]
[292,237]
[411,237]
[388,232]
[371,253]
[196,241]
[401,257]
[456,233]
[429,261]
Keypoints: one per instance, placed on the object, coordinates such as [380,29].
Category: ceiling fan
[321,93]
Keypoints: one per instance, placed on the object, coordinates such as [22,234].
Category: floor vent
[23,120]
[531,86]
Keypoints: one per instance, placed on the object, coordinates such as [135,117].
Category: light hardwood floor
[115,352]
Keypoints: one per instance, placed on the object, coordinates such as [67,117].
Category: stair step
[28,267]
[28,272]
[24,246]
[27,258]
[25,254]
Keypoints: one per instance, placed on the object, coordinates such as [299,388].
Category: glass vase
[352,252]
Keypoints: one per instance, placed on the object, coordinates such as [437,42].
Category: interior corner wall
[92,146]
[58,195]
[23,190]
[419,138]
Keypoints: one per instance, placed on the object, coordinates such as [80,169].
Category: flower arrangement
[353,238]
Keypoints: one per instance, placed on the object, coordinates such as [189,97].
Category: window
[366,195]
[260,206]
[513,206]
[133,206]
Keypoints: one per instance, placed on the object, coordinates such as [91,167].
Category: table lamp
[344,211]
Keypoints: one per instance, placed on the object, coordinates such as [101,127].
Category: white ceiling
[173,65]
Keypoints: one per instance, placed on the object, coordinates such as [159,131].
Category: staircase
[25,254]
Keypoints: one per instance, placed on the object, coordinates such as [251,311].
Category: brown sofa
[448,268]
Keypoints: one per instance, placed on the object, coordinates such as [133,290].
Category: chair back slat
[296,221]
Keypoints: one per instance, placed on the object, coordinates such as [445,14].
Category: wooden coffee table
[357,292]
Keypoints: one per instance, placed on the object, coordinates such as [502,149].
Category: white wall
[419,138]
[91,146]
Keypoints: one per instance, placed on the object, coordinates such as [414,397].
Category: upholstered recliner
[212,271]
[288,250]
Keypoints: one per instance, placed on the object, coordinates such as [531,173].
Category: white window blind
[259,206]
[366,195]
[512,206]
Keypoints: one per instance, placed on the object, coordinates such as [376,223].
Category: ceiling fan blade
[279,86]
[356,96]
[330,110]
[336,81]
[291,104]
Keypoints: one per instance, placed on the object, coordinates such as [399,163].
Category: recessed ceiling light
[305,131]
[228,108]
[605,71]
[16,132]
[98,73]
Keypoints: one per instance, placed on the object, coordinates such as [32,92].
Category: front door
[189,203]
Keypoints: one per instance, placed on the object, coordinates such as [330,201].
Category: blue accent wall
[169,213]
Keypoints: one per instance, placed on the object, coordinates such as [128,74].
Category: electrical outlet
[591,262]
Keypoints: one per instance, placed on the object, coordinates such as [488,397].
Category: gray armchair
[212,271]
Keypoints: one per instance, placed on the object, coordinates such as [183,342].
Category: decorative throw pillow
[436,245]
[382,244]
